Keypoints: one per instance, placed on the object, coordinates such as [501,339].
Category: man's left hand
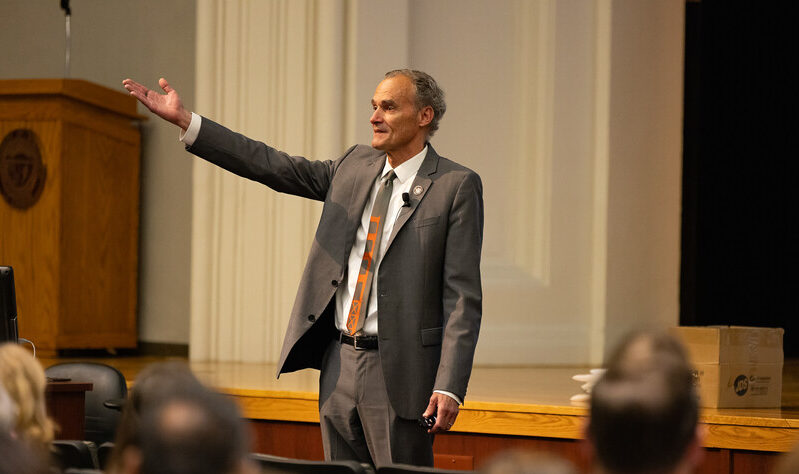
[445,408]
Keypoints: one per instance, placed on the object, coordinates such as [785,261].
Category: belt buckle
[355,338]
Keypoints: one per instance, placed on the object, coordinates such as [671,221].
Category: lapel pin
[417,190]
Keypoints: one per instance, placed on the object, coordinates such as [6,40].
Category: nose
[377,116]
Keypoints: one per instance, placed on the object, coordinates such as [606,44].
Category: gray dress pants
[357,420]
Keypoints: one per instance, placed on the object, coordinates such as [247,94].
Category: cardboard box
[735,366]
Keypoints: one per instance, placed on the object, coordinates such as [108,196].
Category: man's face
[396,123]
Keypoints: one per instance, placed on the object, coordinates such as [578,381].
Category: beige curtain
[273,70]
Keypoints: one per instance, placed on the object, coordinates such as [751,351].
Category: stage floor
[510,401]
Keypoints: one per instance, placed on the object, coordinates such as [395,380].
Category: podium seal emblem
[22,173]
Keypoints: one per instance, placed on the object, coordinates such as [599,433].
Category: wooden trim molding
[548,421]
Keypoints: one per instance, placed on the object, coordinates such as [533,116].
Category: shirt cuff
[450,395]
[191,133]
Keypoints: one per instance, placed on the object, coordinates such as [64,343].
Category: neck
[398,157]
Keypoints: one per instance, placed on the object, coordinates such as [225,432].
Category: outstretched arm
[167,106]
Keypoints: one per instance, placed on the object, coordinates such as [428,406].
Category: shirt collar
[409,168]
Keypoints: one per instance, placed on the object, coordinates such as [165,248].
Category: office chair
[276,464]
[102,402]
[69,453]
[408,469]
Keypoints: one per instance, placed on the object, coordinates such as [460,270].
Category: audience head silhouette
[155,384]
[173,424]
[18,457]
[788,463]
[199,434]
[644,410]
[23,379]
[527,462]
[8,412]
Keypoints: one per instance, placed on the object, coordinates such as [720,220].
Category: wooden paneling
[453,461]
[75,252]
[715,461]
[751,462]
[67,110]
[293,440]
[100,240]
[83,91]
[29,239]
[471,451]
[66,406]
[483,447]
[516,419]
[743,436]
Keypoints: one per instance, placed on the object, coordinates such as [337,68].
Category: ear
[426,115]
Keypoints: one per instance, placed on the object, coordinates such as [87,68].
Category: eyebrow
[384,103]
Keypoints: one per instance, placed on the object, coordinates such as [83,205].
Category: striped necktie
[360,298]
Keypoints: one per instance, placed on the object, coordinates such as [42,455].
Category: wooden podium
[69,211]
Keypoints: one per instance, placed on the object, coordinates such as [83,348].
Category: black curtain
[739,184]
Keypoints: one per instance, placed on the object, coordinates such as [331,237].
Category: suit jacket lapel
[361,189]
[422,181]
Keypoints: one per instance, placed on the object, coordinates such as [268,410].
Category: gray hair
[427,93]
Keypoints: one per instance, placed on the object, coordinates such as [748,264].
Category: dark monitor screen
[8,306]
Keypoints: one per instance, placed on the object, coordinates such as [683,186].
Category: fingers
[130,82]
[446,410]
[447,413]
[136,90]
[165,85]
[431,407]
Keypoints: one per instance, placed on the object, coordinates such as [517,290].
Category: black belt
[358,342]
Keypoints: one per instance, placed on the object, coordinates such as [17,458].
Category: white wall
[112,40]
[645,150]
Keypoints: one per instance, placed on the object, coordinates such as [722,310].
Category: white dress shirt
[402,184]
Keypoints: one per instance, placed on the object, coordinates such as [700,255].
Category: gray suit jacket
[429,292]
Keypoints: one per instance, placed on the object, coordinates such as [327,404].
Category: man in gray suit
[390,301]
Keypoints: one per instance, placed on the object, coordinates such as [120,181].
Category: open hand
[167,106]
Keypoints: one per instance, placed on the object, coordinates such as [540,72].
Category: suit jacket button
[334,283]
[311,318]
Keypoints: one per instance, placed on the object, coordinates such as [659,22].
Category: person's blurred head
[23,379]
[788,462]
[141,445]
[646,350]
[526,462]
[17,457]
[8,412]
[644,410]
[194,435]
[154,384]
